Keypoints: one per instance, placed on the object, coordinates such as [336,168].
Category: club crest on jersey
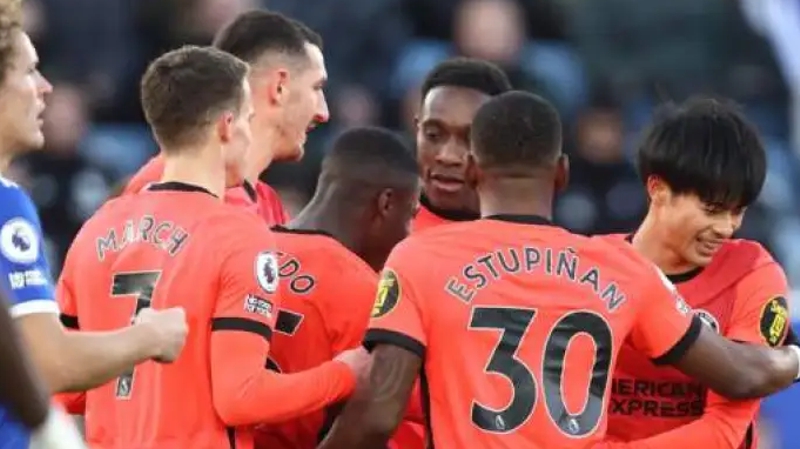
[258,305]
[388,294]
[774,323]
[19,241]
[267,272]
[708,319]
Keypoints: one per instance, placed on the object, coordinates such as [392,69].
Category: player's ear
[278,86]
[224,126]
[658,191]
[385,202]
[562,173]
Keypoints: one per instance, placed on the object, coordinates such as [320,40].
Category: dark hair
[10,24]
[254,33]
[311,36]
[183,90]
[516,130]
[708,148]
[469,73]
[372,156]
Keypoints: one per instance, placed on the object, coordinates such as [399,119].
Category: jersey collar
[521,218]
[175,186]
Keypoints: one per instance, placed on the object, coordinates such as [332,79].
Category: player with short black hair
[451,93]
[702,163]
[727,164]
[507,299]
[287,77]
[367,193]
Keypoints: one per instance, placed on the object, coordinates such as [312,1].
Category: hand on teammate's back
[171,327]
[358,359]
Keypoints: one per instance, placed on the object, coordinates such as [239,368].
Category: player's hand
[170,327]
[357,359]
[58,432]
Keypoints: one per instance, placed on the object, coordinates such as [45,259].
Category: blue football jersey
[24,278]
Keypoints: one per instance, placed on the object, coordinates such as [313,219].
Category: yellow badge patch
[388,294]
[774,323]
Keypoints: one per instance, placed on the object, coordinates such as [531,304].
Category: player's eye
[432,134]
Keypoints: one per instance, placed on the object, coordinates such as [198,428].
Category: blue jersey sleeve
[24,272]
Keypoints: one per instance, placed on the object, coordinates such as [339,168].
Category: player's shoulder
[615,252]
[14,199]
[320,250]
[743,251]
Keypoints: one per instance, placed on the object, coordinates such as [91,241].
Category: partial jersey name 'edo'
[564,263]
[164,235]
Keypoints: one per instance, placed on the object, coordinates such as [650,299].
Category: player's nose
[322,115]
[451,153]
[727,225]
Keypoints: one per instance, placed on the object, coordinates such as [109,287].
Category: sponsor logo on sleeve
[27,278]
[267,271]
[388,294]
[19,241]
[708,319]
[774,322]
[259,306]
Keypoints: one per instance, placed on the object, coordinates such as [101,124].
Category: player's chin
[35,141]
[449,200]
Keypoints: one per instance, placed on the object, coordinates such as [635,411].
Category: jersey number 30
[139,284]
[513,324]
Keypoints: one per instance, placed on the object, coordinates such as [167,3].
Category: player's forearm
[21,392]
[762,371]
[268,397]
[85,360]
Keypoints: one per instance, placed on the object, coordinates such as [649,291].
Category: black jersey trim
[242,325]
[374,337]
[683,345]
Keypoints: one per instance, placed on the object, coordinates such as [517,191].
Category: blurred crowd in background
[604,63]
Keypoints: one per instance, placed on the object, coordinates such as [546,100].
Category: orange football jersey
[175,244]
[741,294]
[261,198]
[430,216]
[326,296]
[171,245]
[530,318]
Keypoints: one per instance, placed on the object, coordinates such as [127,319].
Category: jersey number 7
[513,323]
[141,285]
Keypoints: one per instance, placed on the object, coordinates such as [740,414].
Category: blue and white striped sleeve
[25,277]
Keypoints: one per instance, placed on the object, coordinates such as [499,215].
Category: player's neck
[197,167]
[260,154]
[651,241]
[326,214]
[517,196]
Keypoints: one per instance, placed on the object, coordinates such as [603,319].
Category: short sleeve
[761,310]
[664,327]
[24,272]
[397,315]
[248,281]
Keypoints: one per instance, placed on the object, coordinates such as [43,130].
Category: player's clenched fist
[357,359]
[171,329]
